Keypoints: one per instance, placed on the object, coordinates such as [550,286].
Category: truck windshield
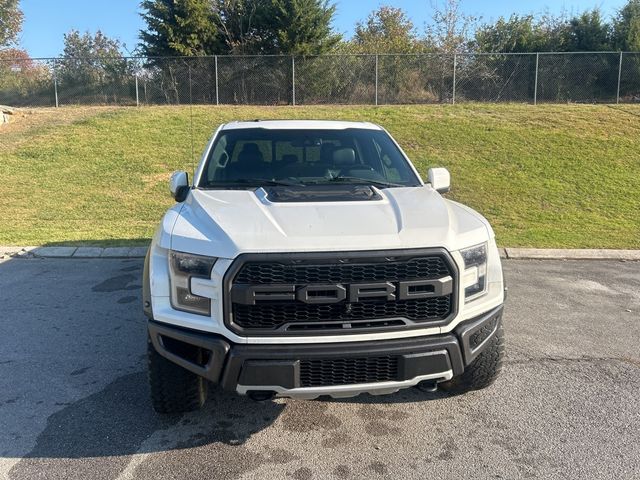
[253,157]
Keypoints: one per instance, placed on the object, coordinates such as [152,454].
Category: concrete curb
[573,254]
[140,252]
[72,252]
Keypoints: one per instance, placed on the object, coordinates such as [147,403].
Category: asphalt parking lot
[74,400]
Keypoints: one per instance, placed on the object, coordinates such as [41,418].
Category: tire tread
[483,371]
[173,389]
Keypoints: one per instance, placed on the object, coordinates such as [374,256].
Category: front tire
[174,389]
[483,371]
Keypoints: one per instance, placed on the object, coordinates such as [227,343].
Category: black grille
[293,316]
[275,315]
[348,371]
[261,273]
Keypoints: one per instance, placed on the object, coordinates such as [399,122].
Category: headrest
[251,148]
[250,153]
[344,157]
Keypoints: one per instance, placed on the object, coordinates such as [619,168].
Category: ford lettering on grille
[335,293]
[315,293]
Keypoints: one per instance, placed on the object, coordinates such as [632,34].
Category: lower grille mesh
[348,371]
[275,315]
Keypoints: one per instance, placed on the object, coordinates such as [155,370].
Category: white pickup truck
[308,258]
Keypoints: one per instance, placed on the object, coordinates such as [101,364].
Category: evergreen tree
[626,27]
[588,33]
[179,28]
[302,27]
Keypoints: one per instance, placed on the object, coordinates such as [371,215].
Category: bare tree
[238,24]
[450,28]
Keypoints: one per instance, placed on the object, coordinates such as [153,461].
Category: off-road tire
[174,389]
[483,371]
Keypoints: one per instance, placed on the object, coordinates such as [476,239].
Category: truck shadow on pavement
[114,418]
[118,422]
[87,396]
[118,419]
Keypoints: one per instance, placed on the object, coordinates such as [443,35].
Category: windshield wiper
[364,181]
[272,183]
[255,182]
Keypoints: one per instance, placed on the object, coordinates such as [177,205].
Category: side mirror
[440,179]
[179,185]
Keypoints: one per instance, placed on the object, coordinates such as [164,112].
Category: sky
[46,21]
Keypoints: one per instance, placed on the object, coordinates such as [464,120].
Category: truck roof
[300,125]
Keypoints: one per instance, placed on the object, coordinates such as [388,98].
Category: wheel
[483,371]
[174,389]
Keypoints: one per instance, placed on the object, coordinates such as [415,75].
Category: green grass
[545,176]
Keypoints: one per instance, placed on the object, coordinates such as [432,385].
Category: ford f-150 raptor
[309,258]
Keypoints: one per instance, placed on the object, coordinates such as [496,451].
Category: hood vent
[322,193]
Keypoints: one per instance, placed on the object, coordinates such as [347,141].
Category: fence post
[619,79]
[137,92]
[55,81]
[215,64]
[293,80]
[535,85]
[455,67]
[376,79]
[190,86]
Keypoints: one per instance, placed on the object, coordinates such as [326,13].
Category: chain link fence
[611,77]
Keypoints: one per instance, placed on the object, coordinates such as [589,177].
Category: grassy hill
[545,176]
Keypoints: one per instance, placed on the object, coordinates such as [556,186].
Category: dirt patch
[26,122]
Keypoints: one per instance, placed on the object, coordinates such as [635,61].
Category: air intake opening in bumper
[313,369]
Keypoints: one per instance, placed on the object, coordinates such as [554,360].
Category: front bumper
[280,369]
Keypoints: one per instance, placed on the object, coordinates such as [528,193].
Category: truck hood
[225,223]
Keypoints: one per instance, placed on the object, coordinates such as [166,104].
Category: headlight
[183,267]
[474,278]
